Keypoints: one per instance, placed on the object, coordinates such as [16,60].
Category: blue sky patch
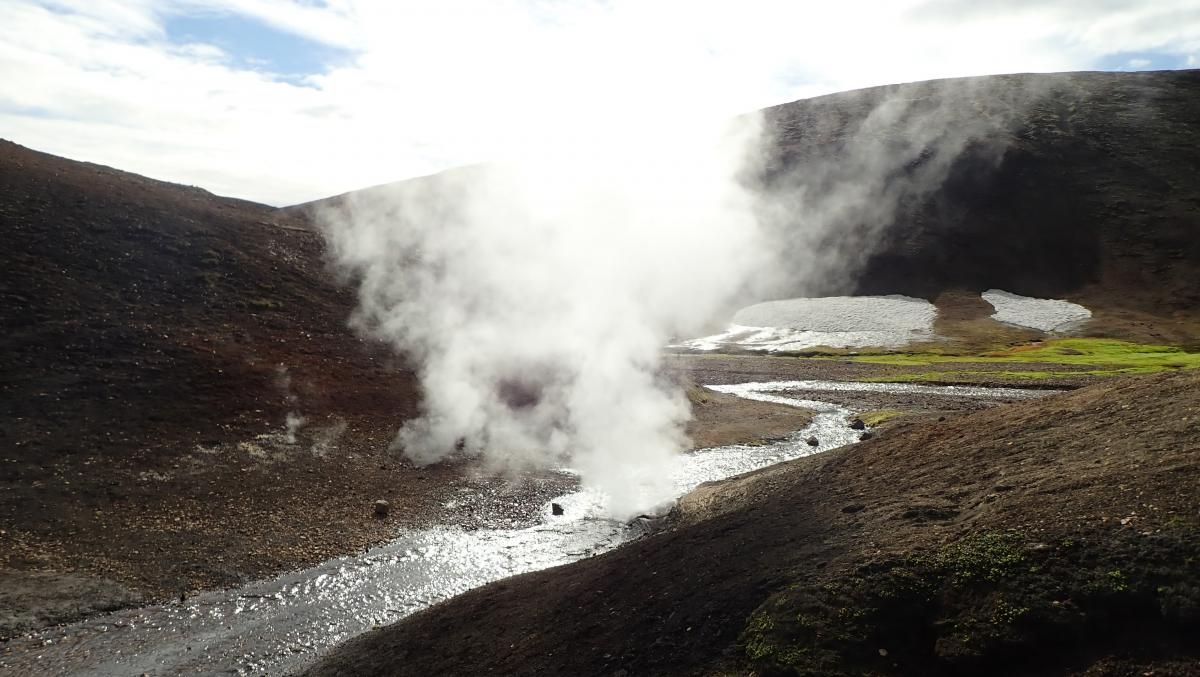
[254,45]
[1141,61]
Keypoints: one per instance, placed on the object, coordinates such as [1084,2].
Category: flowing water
[278,626]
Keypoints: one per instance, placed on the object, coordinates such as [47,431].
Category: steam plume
[534,297]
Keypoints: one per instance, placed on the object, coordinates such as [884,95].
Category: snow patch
[1042,314]
[834,321]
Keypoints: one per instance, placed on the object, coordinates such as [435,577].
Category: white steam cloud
[534,297]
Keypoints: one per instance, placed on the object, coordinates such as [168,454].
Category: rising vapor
[534,297]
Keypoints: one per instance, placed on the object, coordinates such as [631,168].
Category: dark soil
[1049,537]
[156,337]
[149,329]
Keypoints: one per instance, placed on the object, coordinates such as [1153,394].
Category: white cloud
[440,82]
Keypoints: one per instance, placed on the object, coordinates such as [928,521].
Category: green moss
[988,556]
[988,603]
[987,375]
[1116,581]
[874,418]
[265,304]
[1108,355]
[1005,614]
[756,637]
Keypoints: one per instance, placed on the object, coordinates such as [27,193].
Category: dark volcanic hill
[140,309]
[149,330]
[1068,184]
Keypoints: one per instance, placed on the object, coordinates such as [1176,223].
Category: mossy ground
[877,416]
[1079,356]
[989,603]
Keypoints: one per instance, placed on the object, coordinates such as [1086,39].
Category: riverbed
[280,625]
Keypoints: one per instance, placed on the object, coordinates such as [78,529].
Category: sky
[283,101]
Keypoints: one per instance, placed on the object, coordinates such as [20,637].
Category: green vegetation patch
[990,603]
[989,556]
[1110,354]
[1089,357]
[874,418]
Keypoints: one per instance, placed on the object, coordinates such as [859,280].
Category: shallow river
[278,626]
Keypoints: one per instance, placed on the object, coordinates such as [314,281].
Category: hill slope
[157,341]
[1047,537]
[1054,185]
[152,332]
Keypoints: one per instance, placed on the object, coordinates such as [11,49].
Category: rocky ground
[219,515]
[1048,537]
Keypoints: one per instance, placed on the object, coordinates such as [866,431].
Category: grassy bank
[1076,356]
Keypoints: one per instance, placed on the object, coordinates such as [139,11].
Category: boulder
[381,508]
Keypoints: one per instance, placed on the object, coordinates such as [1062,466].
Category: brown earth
[151,332]
[1050,537]
[156,337]
[719,420]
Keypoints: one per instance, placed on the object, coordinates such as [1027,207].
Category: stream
[281,625]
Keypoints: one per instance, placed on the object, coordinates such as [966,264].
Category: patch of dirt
[719,419]
[1049,537]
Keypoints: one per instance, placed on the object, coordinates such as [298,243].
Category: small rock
[883,652]
[556,509]
[381,508]
[866,436]
[813,441]
[857,424]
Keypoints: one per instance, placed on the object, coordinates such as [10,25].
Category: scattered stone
[866,436]
[556,509]
[813,441]
[853,508]
[381,508]
[857,424]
